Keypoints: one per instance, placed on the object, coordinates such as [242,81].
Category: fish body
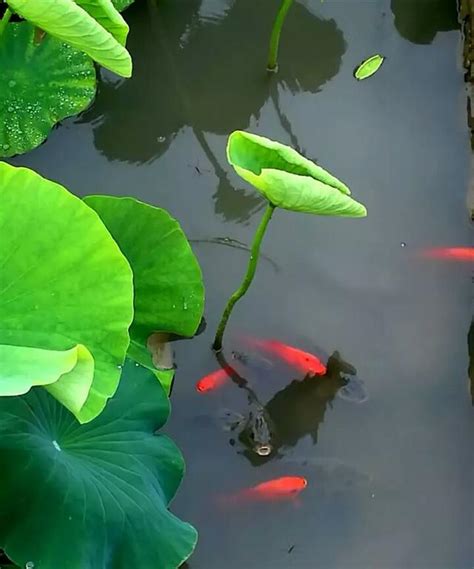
[462,254]
[278,489]
[213,380]
[294,357]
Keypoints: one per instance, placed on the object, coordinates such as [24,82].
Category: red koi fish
[463,254]
[214,380]
[293,357]
[284,488]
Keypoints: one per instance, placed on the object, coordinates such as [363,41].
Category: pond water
[389,477]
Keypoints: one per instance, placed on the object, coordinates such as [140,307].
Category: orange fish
[214,380]
[465,254]
[284,488]
[294,357]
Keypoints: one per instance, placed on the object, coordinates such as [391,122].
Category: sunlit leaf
[108,17]
[368,67]
[96,496]
[70,23]
[41,84]
[63,282]
[289,180]
[169,292]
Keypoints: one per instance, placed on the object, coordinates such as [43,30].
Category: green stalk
[252,267]
[4,21]
[276,32]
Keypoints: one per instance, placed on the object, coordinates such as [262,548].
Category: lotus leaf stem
[276,32]
[251,268]
[4,21]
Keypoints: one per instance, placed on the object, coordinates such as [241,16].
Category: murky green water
[390,478]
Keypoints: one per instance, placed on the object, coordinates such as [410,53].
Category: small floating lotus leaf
[108,17]
[67,21]
[41,85]
[64,282]
[169,292]
[368,67]
[66,374]
[289,180]
[96,495]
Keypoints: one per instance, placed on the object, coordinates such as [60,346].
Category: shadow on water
[419,22]
[292,413]
[199,73]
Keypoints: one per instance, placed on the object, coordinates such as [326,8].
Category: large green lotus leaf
[66,374]
[41,84]
[91,496]
[70,23]
[107,15]
[63,280]
[169,292]
[120,5]
[289,180]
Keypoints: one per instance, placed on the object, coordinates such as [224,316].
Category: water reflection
[470,344]
[209,74]
[419,22]
[292,413]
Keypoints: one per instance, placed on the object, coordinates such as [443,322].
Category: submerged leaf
[169,292]
[289,180]
[70,23]
[368,67]
[93,495]
[108,17]
[41,85]
[64,282]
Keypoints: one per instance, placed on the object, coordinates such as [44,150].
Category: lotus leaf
[105,486]
[169,292]
[120,5]
[368,67]
[289,180]
[63,282]
[108,17]
[67,21]
[41,85]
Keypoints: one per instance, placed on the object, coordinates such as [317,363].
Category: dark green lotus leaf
[91,496]
[289,180]
[120,5]
[368,67]
[67,21]
[168,287]
[41,84]
[63,282]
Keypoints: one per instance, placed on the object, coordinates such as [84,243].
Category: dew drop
[29,565]
[160,139]
[10,109]
[403,244]
[6,146]
[11,83]
[58,448]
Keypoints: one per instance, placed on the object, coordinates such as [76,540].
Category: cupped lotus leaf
[96,495]
[108,17]
[41,85]
[67,21]
[368,67]
[289,180]
[120,5]
[63,282]
[67,374]
[169,292]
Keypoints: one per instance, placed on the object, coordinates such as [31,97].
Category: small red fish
[464,254]
[294,357]
[284,488]
[214,380]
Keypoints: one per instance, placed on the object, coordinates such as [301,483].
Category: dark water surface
[390,479]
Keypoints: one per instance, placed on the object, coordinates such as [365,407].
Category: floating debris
[368,67]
